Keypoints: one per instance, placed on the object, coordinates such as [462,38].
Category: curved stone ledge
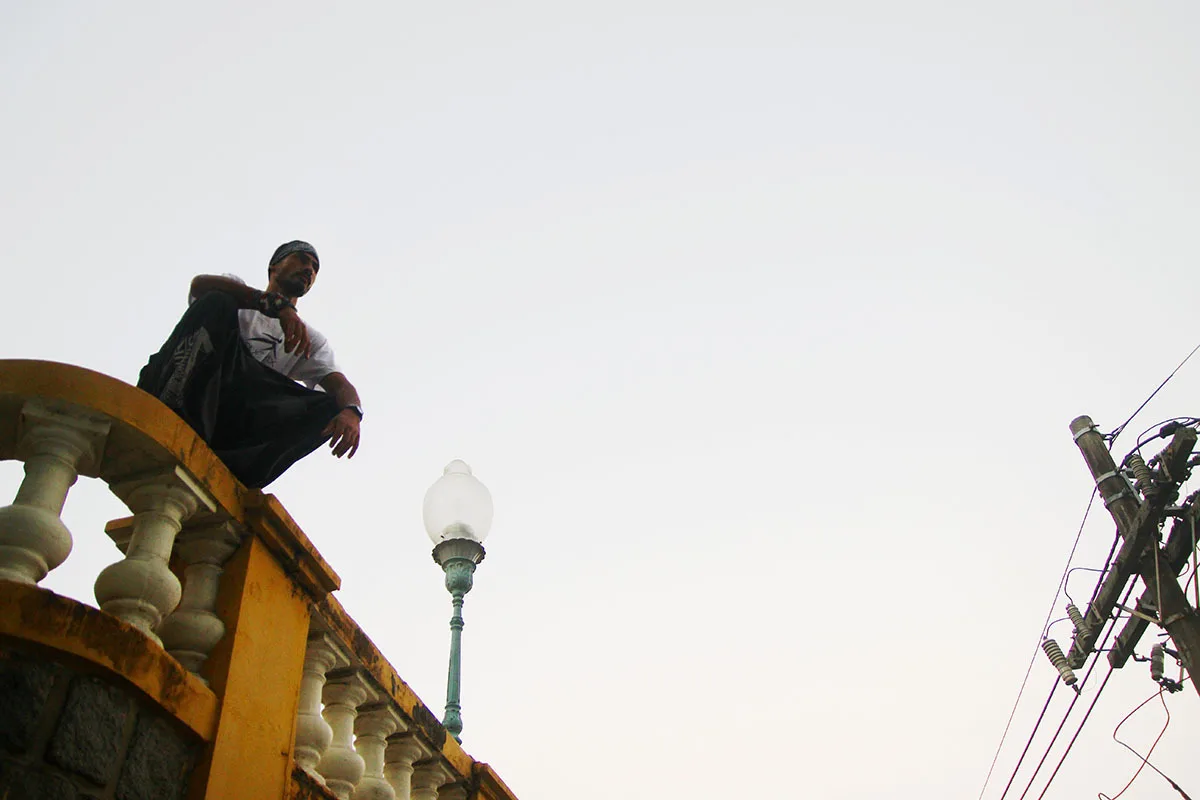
[82,634]
[146,436]
[267,592]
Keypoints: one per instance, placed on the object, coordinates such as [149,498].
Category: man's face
[295,274]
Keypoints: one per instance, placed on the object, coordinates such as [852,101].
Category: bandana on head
[297,246]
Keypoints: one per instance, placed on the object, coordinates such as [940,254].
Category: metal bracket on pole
[1134,612]
[1108,501]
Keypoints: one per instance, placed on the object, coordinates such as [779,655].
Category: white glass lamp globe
[457,506]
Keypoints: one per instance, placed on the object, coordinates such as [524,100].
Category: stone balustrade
[335,720]
[363,734]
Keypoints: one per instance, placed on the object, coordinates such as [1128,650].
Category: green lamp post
[458,514]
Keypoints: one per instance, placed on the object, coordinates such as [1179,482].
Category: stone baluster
[427,778]
[141,589]
[452,791]
[341,765]
[313,733]
[403,750]
[194,628]
[375,723]
[56,446]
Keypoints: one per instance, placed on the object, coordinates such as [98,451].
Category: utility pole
[1139,520]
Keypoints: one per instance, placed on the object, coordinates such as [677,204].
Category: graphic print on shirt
[265,348]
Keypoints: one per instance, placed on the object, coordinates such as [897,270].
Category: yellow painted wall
[256,670]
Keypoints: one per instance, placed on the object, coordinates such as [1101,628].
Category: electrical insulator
[1059,661]
[1143,477]
[1075,617]
[1156,662]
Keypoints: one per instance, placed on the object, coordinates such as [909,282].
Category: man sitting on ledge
[223,371]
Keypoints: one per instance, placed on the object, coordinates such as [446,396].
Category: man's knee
[213,310]
[215,302]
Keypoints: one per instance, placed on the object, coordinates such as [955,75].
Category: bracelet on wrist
[273,303]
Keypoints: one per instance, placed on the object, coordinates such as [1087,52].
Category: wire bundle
[1137,464]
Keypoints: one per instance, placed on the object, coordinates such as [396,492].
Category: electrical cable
[1117,432]
[1079,693]
[1146,758]
[1107,564]
[1036,725]
[1071,743]
[1067,583]
[1158,428]
[1192,520]
[1033,658]
[1111,438]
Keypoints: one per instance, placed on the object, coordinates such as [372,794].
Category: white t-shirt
[263,335]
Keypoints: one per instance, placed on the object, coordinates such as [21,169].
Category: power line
[1146,758]
[1117,432]
[1082,722]
[1029,742]
[1111,440]
[1032,659]
[1074,700]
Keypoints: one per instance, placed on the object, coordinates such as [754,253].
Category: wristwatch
[357,410]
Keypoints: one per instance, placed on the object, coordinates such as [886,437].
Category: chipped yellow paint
[269,520]
[256,670]
[490,787]
[145,434]
[384,675]
[81,633]
[269,587]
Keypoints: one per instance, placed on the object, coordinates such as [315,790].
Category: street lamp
[458,514]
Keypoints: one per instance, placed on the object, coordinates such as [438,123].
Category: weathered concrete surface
[34,615]
[81,736]
[145,434]
[19,782]
[24,689]
[157,764]
[90,733]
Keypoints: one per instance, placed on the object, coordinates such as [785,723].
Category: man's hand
[295,336]
[344,427]
[344,432]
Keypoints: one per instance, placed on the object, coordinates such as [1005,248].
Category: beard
[293,286]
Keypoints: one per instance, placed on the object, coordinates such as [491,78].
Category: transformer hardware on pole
[1157,659]
[1178,549]
[1139,510]
[1133,612]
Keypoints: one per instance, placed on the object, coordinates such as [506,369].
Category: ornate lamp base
[457,558]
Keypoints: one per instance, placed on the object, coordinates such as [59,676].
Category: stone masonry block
[24,688]
[87,740]
[19,782]
[157,765]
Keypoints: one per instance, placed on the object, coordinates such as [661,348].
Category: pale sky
[762,321]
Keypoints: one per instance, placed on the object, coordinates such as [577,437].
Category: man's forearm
[246,296]
[346,395]
[343,391]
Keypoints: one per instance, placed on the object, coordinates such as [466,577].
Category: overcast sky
[763,322]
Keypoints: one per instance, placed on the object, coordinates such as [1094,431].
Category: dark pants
[256,420]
